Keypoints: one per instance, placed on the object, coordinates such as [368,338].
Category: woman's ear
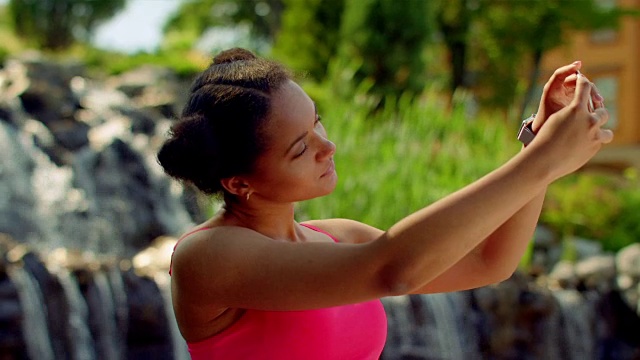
[236,185]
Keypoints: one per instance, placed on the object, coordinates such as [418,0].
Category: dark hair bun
[221,130]
[232,55]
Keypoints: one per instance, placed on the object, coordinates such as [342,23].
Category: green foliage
[308,36]
[194,17]
[453,19]
[4,53]
[596,206]
[388,40]
[492,47]
[183,29]
[406,157]
[6,35]
[57,24]
[508,39]
[109,63]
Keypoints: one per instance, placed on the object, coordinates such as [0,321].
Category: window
[608,88]
[606,35]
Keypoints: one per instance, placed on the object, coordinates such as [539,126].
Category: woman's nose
[328,148]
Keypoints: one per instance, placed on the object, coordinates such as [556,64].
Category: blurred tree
[57,24]
[195,17]
[309,35]
[494,44]
[453,19]
[381,45]
[387,39]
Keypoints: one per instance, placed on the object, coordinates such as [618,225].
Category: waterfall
[120,306]
[578,325]
[180,351]
[34,318]
[108,339]
[445,325]
[433,326]
[83,348]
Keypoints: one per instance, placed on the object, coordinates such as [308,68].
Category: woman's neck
[273,220]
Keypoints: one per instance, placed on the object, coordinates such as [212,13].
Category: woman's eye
[304,149]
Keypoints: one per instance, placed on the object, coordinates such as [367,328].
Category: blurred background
[421,97]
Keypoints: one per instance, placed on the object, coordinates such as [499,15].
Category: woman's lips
[330,170]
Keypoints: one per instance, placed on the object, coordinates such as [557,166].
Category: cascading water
[108,341]
[78,327]
[179,345]
[454,338]
[34,323]
[431,327]
[578,325]
[120,307]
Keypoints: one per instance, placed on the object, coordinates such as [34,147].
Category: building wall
[611,59]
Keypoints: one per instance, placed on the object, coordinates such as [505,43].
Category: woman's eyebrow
[296,141]
[302,136]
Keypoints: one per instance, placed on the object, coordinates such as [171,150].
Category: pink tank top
[348,332]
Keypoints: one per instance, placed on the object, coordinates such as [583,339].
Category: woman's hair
[219,133]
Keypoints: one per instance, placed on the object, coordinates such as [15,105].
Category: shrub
[602,207]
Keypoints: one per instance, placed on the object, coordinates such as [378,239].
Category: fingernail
[599,97]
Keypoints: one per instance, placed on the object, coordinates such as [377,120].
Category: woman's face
[298,162]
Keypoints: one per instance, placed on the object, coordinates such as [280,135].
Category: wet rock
[628,260]
[597,272]
[585,248]
[148,325]
[564,275]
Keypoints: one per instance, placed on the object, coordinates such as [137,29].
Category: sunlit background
[421,97]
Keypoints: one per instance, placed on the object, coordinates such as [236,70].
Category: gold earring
[248,195]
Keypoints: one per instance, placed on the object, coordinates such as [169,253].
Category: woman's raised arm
[439,236]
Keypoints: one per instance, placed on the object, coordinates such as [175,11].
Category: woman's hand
[559,91]
[573,133]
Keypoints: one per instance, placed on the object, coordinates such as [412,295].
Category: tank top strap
[320,231]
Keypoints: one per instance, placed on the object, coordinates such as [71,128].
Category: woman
[252,283]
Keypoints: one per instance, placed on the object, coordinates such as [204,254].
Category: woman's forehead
[291,113]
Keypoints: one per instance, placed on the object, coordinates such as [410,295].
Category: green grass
[409,155]
[404,157]
[185,64]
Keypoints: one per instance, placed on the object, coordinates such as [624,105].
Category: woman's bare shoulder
[347,230]
[202,237]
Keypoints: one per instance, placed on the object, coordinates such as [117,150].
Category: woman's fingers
[557,79]
[564,72]
[600,117]
[598,100]
[582,96]
[605,136]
